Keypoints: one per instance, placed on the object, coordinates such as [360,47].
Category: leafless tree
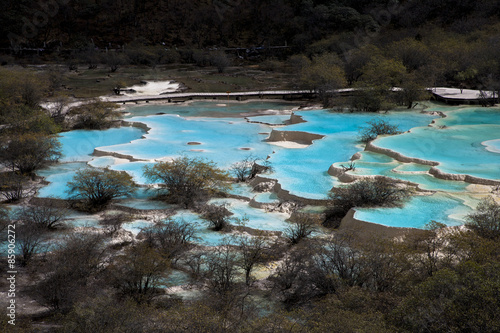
[12,186]
[221,271]
[47,216]
[30,240]
[171,238]
[301,226]
[377,127]
[220,60]
[216,215]
[290,280]
[73,269]
[250,167]
[252,251]
[138,272]
[350,167]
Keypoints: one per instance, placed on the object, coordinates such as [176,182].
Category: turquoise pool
[467,141]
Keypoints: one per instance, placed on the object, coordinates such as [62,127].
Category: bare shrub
[377,127]
[47,216]
[249,167]
[216,215]
[171,238]
[114,221]
[301,226]
[12,186]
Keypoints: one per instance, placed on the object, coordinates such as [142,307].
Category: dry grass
[99,81]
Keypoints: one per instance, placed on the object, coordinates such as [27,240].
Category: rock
[287,207]
[122,236]
[264,186]
[130,91]
[356,156]
[294,136]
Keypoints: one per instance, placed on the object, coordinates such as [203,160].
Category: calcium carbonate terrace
[455,143]
[465,142]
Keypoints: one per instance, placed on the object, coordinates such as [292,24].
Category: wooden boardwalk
[172,97]
[463,96]
[447,95]
[281,94]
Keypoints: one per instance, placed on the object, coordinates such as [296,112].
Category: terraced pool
[467,141]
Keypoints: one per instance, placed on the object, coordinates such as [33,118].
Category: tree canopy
[226,23]
[372,192]
[138,272]
[186,180]
[485,220]
[97,187]
[94,115]
[26,130]
[28,152]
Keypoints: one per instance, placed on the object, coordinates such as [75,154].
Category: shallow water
[470,116]
[77,220]
[228,140]
[271,120]
[242,189]
[106,161]
[418,212]
[175,278]
[135,227]
[205,236]
[212,108]
[470,136]
[253,217]
[80,144]
[135,169]
[458,149]
[222,140]
[412,172]
[144,204]
[412,167]
[58,175]
[77,148]
[266,197]
[304,171]
[492,145]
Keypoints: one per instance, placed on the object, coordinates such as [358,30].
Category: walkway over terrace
[447,95]
[464,96]
[173,97]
